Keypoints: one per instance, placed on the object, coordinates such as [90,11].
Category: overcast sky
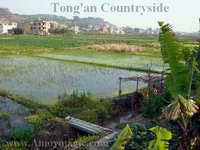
[183,15]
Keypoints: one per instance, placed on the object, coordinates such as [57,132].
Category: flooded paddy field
[43,80]
[122,60]
[132,62]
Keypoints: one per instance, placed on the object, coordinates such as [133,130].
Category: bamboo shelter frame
[149,79]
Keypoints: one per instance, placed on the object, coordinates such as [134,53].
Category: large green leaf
[173,54]
[122,139]
[161,142]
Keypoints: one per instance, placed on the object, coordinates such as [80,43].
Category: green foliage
[4,115]
[198,55]
[83,141]
[184,76]
[180,60]
[86,139]
[140,138]
[87,115]
[39,119]
[24,101]
[122,139]
[22,134]
[153,108]
[161,142]
[31,42]
[12,146]
[196,78]
[83,107]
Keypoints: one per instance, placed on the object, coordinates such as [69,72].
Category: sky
[183,15]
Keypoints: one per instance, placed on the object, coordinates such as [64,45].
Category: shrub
[4,115]
[103,110]
[79,104]
[39,119]
[87,115]
[22,134]
[153,108]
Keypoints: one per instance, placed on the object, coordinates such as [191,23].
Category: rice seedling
[44,80]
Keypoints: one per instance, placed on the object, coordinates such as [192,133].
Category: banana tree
[122,139]
[161,142]
[182,65]
[182,110]
[180,60]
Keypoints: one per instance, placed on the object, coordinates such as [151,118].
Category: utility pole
[198,40]
[199,24]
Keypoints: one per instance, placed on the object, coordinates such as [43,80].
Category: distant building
[104,29]
[41,27]
[116,30]
[120,31]
[7,27]
[54,25]
[75,29]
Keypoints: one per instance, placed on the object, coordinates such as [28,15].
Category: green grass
[84,107]
[73,48]
[28,42]
[32,42]
[24,101]
[38,120]
[131,65]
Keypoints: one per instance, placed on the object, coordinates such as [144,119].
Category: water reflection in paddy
[44,80]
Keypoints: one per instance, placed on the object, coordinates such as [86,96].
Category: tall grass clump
[83,106]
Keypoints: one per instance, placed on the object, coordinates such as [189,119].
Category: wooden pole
[149,80]
[137,84]
[161,82]
[120,86]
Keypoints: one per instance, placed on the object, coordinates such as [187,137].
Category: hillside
[84,22]
[59,19]
[7,15]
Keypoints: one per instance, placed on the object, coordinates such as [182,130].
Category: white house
[75,29]
[7,27]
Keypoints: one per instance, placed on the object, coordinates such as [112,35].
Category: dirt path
[126,119]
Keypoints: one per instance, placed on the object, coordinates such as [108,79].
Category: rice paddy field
[44,80]
[43,68]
